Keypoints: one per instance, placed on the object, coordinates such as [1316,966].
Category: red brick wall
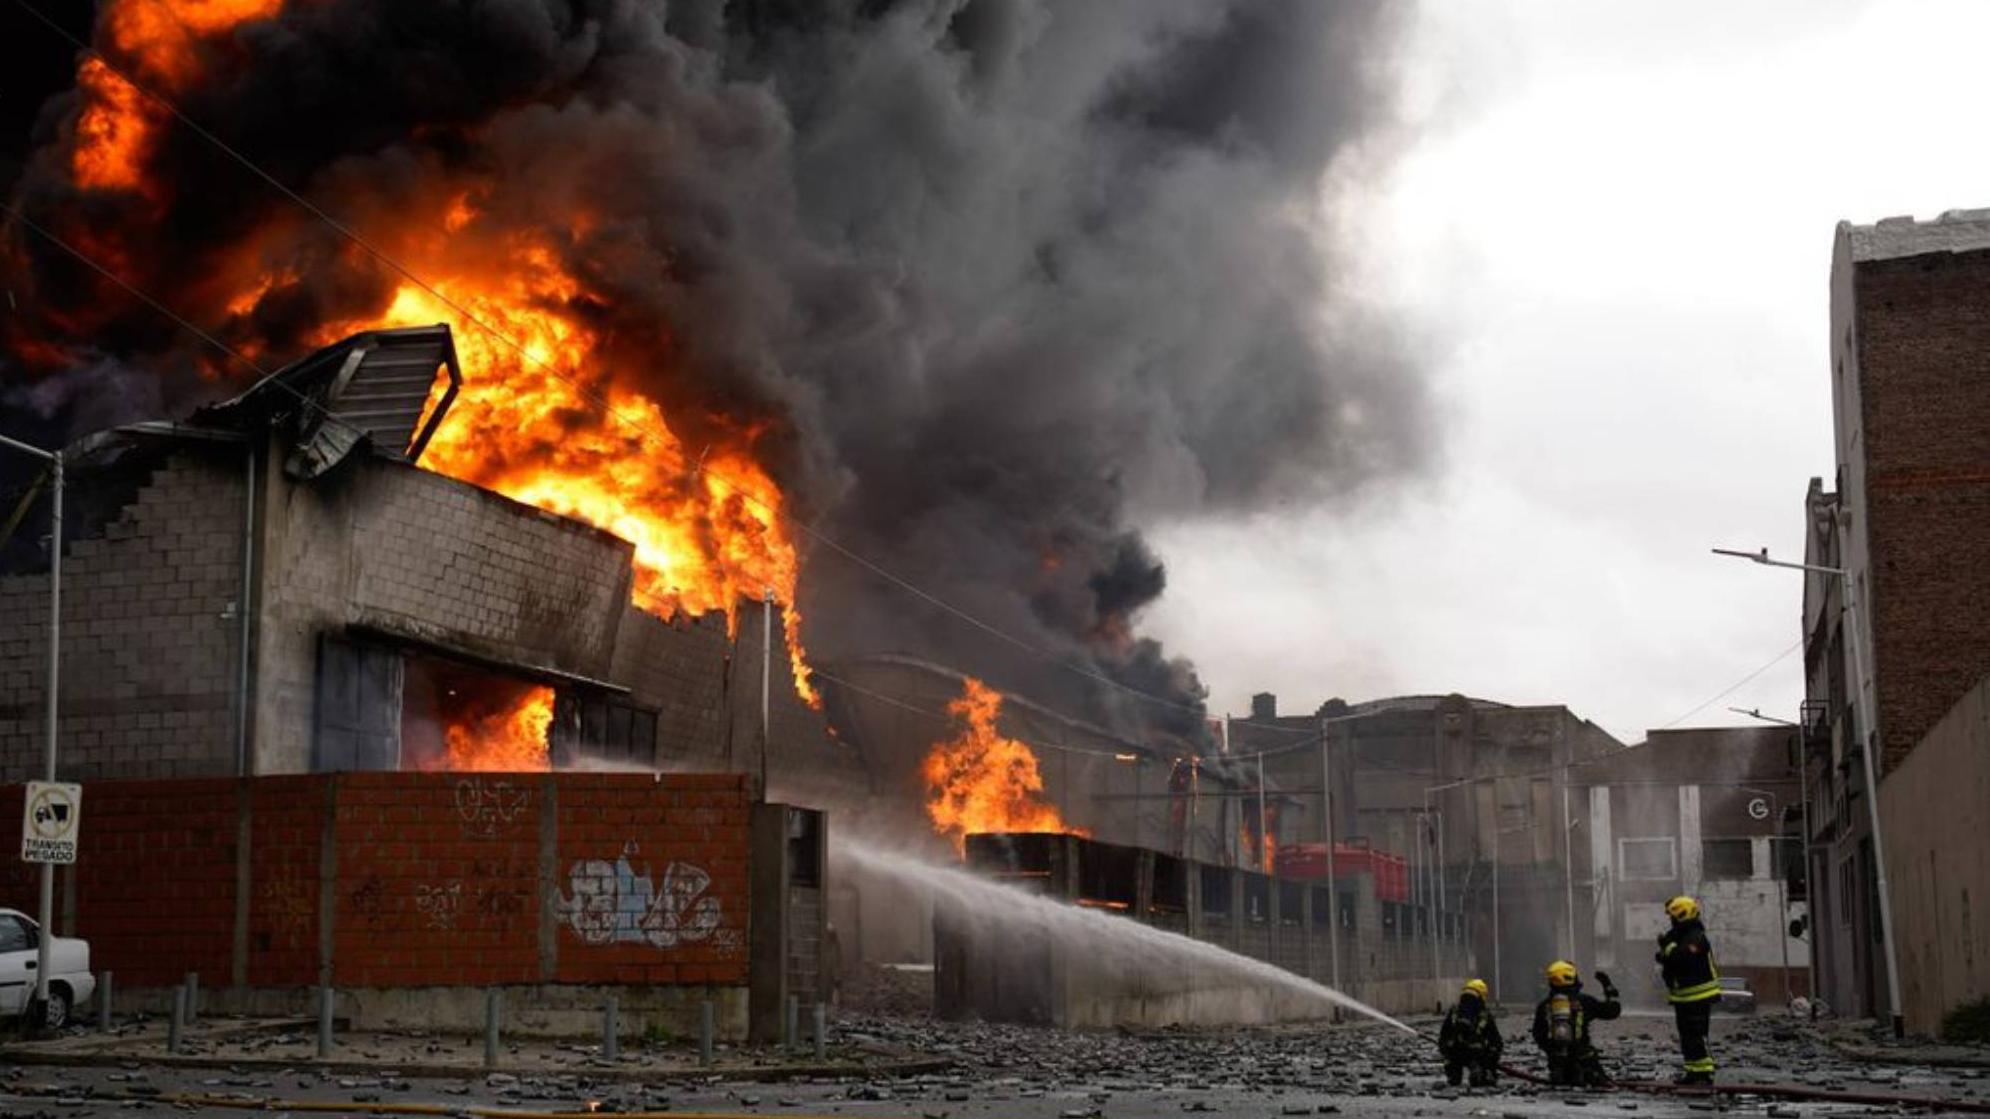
[652,879]
[155,879]
[286,842]
[1924,351]
[438,879]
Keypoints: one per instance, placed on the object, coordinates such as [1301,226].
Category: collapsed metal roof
[372,387]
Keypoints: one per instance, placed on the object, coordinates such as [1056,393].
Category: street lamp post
[1803,788]
[47,912]
[1866,737]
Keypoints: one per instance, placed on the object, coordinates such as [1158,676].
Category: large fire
[543,416]
[507,741]
[981,781]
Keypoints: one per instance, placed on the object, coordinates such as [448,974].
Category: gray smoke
[1006,277]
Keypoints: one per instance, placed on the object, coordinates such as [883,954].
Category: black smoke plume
[1008,278]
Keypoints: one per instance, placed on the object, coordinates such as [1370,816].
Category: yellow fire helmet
[1476,987]
[1682,908]
[1561,973]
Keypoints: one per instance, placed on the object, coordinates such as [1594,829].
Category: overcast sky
[1612,229]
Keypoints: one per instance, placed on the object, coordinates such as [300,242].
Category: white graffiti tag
[612,903]
[484,807]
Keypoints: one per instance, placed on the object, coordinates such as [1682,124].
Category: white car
[70,983]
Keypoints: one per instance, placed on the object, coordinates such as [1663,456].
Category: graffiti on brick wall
[438,905]
[485,806]
[623,902]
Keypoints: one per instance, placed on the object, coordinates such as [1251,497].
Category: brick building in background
[271,601]
[1902,671]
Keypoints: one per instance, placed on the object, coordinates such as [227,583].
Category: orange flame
[544,422]
[160,43]
[980,781]
[512,741]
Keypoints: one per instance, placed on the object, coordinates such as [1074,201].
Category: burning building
[309,644]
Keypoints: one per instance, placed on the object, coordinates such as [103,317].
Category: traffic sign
[51,819]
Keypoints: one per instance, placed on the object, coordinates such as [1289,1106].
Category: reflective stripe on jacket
[1686,957]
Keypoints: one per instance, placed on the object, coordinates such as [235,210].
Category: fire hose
[1766,1091]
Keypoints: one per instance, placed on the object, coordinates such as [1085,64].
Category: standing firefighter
[1470,1038]
[1692,983]
[1561,1027]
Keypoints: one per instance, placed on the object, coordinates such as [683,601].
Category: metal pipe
[1439,924]
[193,997]
[1868,735]
[44,943]
[493,1008]
[106,1016]
[242,766]
[1264,830]
[766,684]
[1327,830]
[326,1003]
[705,1030]
[1568,863]
[610,1029]
[1809,881]
[821,1032]
[176,1025]
[791,1025]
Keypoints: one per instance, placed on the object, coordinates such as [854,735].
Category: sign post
[52,816]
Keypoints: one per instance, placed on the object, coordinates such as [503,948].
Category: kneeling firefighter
[1470,1038]
[1692,984]
[1561,1027]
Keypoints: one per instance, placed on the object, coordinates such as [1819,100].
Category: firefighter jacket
[1469,1032]
[1686,959]
[1561,1021]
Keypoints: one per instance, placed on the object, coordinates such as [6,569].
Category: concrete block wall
[385,883]
[150,639]
[413,554]
[988,969]
[1940,882]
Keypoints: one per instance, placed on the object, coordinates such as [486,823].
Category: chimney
[1264,707]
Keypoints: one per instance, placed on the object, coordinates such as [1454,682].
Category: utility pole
[46,914]
[1327,830]
[766,684]
[1868,737]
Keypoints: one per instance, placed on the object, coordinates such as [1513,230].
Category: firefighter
[1692,983]
[1470,1038]
[1561,1027]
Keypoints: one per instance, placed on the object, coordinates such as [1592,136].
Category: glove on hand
[1603,977]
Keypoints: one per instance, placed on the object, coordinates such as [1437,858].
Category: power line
[590,394]
[1736,686]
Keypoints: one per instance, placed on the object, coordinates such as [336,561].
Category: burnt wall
[150,640]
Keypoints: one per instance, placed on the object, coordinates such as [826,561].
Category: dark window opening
[1727,858]
[1109,875]
[1257,898]
[1215,891]
[1291,903]
[459,717]
[1170,885]
[804,847]
[604,728]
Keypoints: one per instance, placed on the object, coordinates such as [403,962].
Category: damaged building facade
[1897,649]
[275,620]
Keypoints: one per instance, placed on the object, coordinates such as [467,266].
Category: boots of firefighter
[1454,1073]
[1561,1070]
[1590,1068]
[1485,1075]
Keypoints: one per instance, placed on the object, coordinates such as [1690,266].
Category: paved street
[1044,1074]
